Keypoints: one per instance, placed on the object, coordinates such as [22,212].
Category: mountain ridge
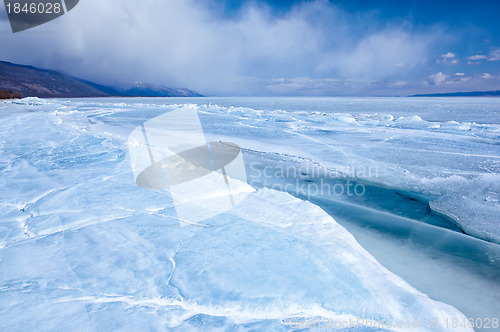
[31,81]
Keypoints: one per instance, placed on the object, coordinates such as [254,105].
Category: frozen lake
[408,188]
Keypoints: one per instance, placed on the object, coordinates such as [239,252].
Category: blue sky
[272,47]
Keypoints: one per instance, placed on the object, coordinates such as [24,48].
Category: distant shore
[4,94]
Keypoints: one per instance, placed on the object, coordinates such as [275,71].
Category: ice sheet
[83,248]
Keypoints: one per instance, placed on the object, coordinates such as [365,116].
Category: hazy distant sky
[271,47]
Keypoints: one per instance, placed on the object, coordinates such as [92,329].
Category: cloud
[494,55]
[448,58]
[440,78]
[328,86]
[438,82]
[382,55]
[189,44]
[437,78]
[177,43]
[457,83]
[476,57]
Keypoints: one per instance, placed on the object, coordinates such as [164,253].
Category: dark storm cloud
[185,44]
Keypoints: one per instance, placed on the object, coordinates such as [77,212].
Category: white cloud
[398,84]
[476,57]
[187,44]
[440,78]
[438,82]
[379,56]
[460,77]
[448,58]
[494,55]
[437,78]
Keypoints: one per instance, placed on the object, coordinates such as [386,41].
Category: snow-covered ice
[83,248]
